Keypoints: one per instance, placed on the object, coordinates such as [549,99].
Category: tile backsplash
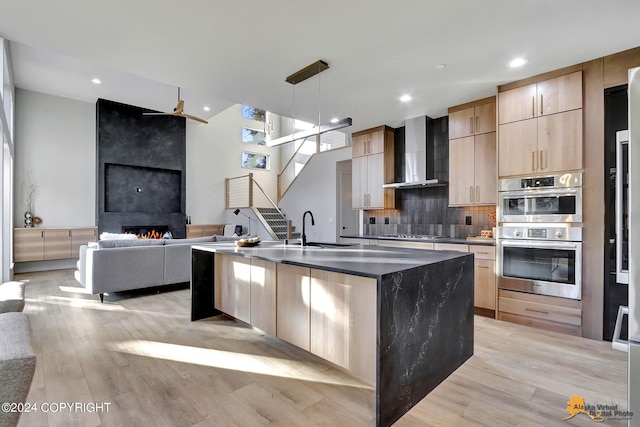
[426,210]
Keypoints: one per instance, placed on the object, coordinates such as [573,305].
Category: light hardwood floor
[141,353]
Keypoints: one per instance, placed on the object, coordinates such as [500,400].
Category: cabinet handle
[537,311]
[541,160]
[482,266]
[69,233]
[477,125]
[471,125]
[541,106]
[534,165]
[477,193]
[42,234]
[533,106]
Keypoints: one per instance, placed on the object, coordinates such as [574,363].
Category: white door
[348,218]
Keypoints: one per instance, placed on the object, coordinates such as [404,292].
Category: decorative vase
[28,219]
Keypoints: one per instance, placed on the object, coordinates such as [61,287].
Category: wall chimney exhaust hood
[418,155]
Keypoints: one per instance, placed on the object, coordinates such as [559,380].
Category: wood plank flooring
[141,353]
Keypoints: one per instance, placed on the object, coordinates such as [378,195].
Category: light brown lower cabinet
[541,311]
[232,275]
[204,230]
[343,321]
[263,295]
[331,315]
[293,304]
[39,244]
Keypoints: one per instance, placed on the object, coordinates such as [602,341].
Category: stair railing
[241,193]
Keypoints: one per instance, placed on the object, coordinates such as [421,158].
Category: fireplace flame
[153,234]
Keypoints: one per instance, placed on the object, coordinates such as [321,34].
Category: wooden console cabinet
[40,244]
[204,230]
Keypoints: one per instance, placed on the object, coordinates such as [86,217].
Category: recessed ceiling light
[335,120]
[406,98]
[95,81]
[441,67]
[518,62]
[206,108]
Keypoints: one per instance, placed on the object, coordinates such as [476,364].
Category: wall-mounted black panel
[141,189]
[139,152]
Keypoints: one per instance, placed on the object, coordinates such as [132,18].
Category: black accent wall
[141,169]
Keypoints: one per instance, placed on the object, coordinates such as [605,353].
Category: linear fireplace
[146,231]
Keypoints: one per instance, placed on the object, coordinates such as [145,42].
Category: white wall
[213,154]
[315,190]
[55,141]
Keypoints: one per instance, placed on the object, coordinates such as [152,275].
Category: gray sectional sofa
[122,265]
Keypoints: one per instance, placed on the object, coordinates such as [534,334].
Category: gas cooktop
[416,236]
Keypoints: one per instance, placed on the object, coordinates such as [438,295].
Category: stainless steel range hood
[418,155]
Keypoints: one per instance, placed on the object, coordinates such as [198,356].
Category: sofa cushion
[107,244]
[11,297]
[17,363]
[191,241]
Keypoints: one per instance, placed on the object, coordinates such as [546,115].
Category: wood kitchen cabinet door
[517,104]
[232,277]
[461,171]
[560,94]
[461,123]
[560,142]
[57,243]
[484,120]
[294,304]
[485,172]
[360,177]
[375,181]
[484,291]
[263,295]
[343,321]
[518,148]
[359,145]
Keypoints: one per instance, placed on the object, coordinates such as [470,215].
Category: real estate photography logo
[598,412]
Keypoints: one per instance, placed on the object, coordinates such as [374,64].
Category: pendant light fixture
[295,78]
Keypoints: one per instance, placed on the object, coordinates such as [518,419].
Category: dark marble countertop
[489,242]
[359,260]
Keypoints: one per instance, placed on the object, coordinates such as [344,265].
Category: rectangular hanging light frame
[307,72]
[324,128]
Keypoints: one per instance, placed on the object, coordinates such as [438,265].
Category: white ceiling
[225,52]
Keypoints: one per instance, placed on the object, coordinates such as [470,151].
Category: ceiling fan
[178,111]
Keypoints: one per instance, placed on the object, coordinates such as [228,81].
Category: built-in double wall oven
[540,236]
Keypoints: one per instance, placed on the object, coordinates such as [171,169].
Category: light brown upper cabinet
[472,121]
[472,157]
[551,96]
[367,143]
[372,166]
[540,127]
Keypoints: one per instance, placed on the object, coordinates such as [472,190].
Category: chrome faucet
[304,235]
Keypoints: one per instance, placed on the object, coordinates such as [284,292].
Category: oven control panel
[571,234]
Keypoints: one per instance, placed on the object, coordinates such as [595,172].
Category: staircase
[274,220]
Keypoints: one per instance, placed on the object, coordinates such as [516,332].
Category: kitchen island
[399,319]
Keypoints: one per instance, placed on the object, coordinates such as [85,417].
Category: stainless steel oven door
[540,205]
[536,266]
